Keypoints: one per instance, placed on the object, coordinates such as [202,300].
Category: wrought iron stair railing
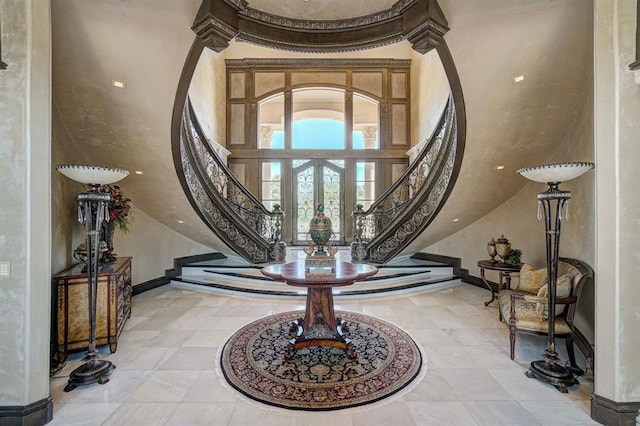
[235,215]
[400,215]
[406,209]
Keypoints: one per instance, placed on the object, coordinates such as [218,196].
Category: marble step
[248,280]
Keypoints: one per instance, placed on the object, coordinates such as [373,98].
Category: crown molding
[421,22]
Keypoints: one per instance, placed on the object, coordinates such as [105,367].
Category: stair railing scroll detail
[412,202]
[235,215]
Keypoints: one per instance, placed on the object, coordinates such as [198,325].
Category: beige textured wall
[207,92]
[25,201]
[516,219]
[153,247]
[429,93]
[578,238]
[66,232]
[617,108]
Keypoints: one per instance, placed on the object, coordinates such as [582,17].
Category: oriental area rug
[320,378]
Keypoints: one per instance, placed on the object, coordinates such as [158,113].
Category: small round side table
[504,272]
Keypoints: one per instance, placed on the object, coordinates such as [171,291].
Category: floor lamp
[93,209]
[555,203]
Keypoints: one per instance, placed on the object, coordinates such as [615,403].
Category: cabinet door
[77,315]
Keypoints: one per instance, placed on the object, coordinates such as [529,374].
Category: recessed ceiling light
[118,84]
[518,78]
[456,220]
[139,172]
[181,221]
[500,167]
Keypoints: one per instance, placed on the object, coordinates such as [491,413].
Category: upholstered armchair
[525,308]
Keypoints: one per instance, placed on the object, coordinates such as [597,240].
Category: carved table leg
[486,283]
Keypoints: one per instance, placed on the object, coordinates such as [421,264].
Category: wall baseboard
[150,285]
[176,271]
[454,262]
[179,262]
[612,413]
[35,414]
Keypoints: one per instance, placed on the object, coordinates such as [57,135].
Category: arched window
[307,132]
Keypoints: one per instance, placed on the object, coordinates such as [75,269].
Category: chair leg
[572,355]
[573,367]
[512,343]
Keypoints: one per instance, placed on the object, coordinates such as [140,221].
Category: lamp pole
[93,210]
[549,369]
[554,203]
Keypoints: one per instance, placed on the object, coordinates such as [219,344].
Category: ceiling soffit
[421,22]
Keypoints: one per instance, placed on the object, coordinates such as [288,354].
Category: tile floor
[167,367]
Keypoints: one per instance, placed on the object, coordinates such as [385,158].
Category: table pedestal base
[319,335]
[320,327]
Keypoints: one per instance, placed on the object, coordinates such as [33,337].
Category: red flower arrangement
[119,208]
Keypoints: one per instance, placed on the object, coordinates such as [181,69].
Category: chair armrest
[538,299]
[521,296]
[567,300]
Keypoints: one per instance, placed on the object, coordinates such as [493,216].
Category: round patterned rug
[320,377]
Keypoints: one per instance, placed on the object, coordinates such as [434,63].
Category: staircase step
[242,283]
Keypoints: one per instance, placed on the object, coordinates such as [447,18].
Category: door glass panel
[332,199]
[304,201]
[318,119]
[271,184]
[271,122]
[365,183]
[315,182]
[298,163]
[365,123]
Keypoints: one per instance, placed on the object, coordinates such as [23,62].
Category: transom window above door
[318,120]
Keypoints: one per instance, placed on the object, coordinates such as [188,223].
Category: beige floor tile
[500,413]
[167,367]
[84,414]
[190,413]
[440,413]
[139,413]
[474,384]
[394,413]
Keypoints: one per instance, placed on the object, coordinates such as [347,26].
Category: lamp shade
[555,173]
[96,175]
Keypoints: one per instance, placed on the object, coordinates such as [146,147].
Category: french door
[317,182]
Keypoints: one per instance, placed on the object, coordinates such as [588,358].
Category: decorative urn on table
[503,248]
[321,231]
[491,249]
[321,236]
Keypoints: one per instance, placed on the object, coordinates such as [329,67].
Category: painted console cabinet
[113,308]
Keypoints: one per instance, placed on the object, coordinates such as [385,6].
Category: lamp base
[553,373]
[92,371]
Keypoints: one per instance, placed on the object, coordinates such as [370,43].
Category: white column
[617,139]
[266,137]
[25,203]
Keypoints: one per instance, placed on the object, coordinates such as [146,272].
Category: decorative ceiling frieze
[317,63]
[421,22]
